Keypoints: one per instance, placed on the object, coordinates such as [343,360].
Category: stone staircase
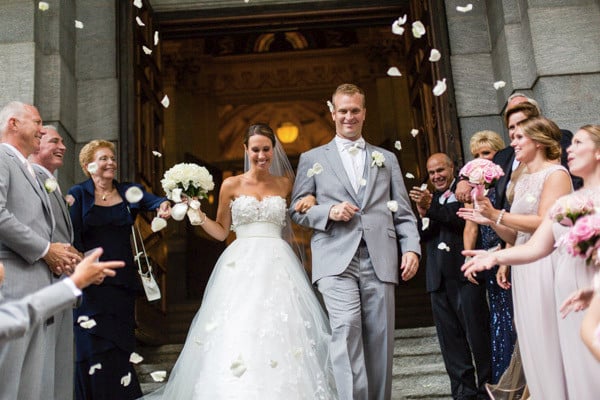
[418,366]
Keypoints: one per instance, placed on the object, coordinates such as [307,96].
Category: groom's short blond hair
[348,89]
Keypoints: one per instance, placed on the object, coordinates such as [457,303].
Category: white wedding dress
[260,332]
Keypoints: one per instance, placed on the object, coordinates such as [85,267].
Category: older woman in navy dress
[102,217]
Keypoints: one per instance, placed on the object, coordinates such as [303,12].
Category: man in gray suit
[362,216]
[59,362]
[26,248]
[17,317]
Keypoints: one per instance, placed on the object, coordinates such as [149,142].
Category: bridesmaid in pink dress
[582,371]
[536,144]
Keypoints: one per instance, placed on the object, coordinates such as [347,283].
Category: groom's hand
[343,211]
[410,265]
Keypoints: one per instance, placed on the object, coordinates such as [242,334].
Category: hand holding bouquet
[481,174]
[187,180]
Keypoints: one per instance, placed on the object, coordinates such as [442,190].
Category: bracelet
[499,219]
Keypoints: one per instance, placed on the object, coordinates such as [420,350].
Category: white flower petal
[362,182]
[158,224]
[147,51]
[78,24]
[89,324]
[394,71]
[43,6]
[409,175]
[82,318]
[156,153]
[440,87]
[418,29]
[392,205]
[94,368]
[165,101]
[126,380]
[155,38]
[423,187]
[530,198]
[443,246]
[273,363]
[464,9]
[137,3]
[499,84]
[398,145]
[238,367]
[158,376]
[424,223]
[135,358]
[414,132]
[397,29]
[435,55]
[178,211]
[402,21]
[139,21]
[134,194]
[92,167]
[330,106]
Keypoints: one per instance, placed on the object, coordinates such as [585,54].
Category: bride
[260,332]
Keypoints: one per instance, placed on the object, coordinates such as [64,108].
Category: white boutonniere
[50,185]
[315,170]
[378,159]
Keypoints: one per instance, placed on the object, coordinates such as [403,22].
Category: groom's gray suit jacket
[333,243]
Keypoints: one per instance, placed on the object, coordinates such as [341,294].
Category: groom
[362,216]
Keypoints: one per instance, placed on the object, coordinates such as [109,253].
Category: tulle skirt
[260,332]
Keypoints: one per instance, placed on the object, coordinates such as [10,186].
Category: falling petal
[134,194]
[158,376]
[158,224]
[394,71]
[423,187]
[82,318]
[237,367]
[92,167]
[78,24]
[363,182]
[146,50]
[398,145]
[499,84]
[402,21]
[273,363]
[440,87]
[424,223]
[409,175]
[530,198]
[126,380]
[392,205]
[156,153]
[137,3]
[414,132]
[155,38]
[397,30]
[435,55]
[418,29]
[139,21]
[165,101]
[135,358]
[330,106]
[89,324]
[464,9]
[443,246]
[94,367]
[43,6]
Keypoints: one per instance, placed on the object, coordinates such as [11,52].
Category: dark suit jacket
[444,226]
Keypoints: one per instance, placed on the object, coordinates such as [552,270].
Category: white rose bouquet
[190,180]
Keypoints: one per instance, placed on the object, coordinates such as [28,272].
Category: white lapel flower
[378,159]
[418,29]
[92,168]
[238,367]
[392,205]
[135,358]
[435,55]
[50,185]
[440,87]
[398,145]
[315,170]
[499,85]
[94,367]
[394,71]
[43,6]
[158,376]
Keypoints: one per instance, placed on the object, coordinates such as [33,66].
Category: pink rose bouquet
[583,239]
[482,174]
[570,208]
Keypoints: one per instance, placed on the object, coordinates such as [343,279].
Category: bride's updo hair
[545,132]
[260,129]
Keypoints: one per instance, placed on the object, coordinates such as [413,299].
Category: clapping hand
[474,215]
[480,260]
[577,301]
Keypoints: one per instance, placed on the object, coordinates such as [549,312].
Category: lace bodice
[248,209]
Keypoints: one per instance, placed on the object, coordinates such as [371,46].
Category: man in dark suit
[460,310]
